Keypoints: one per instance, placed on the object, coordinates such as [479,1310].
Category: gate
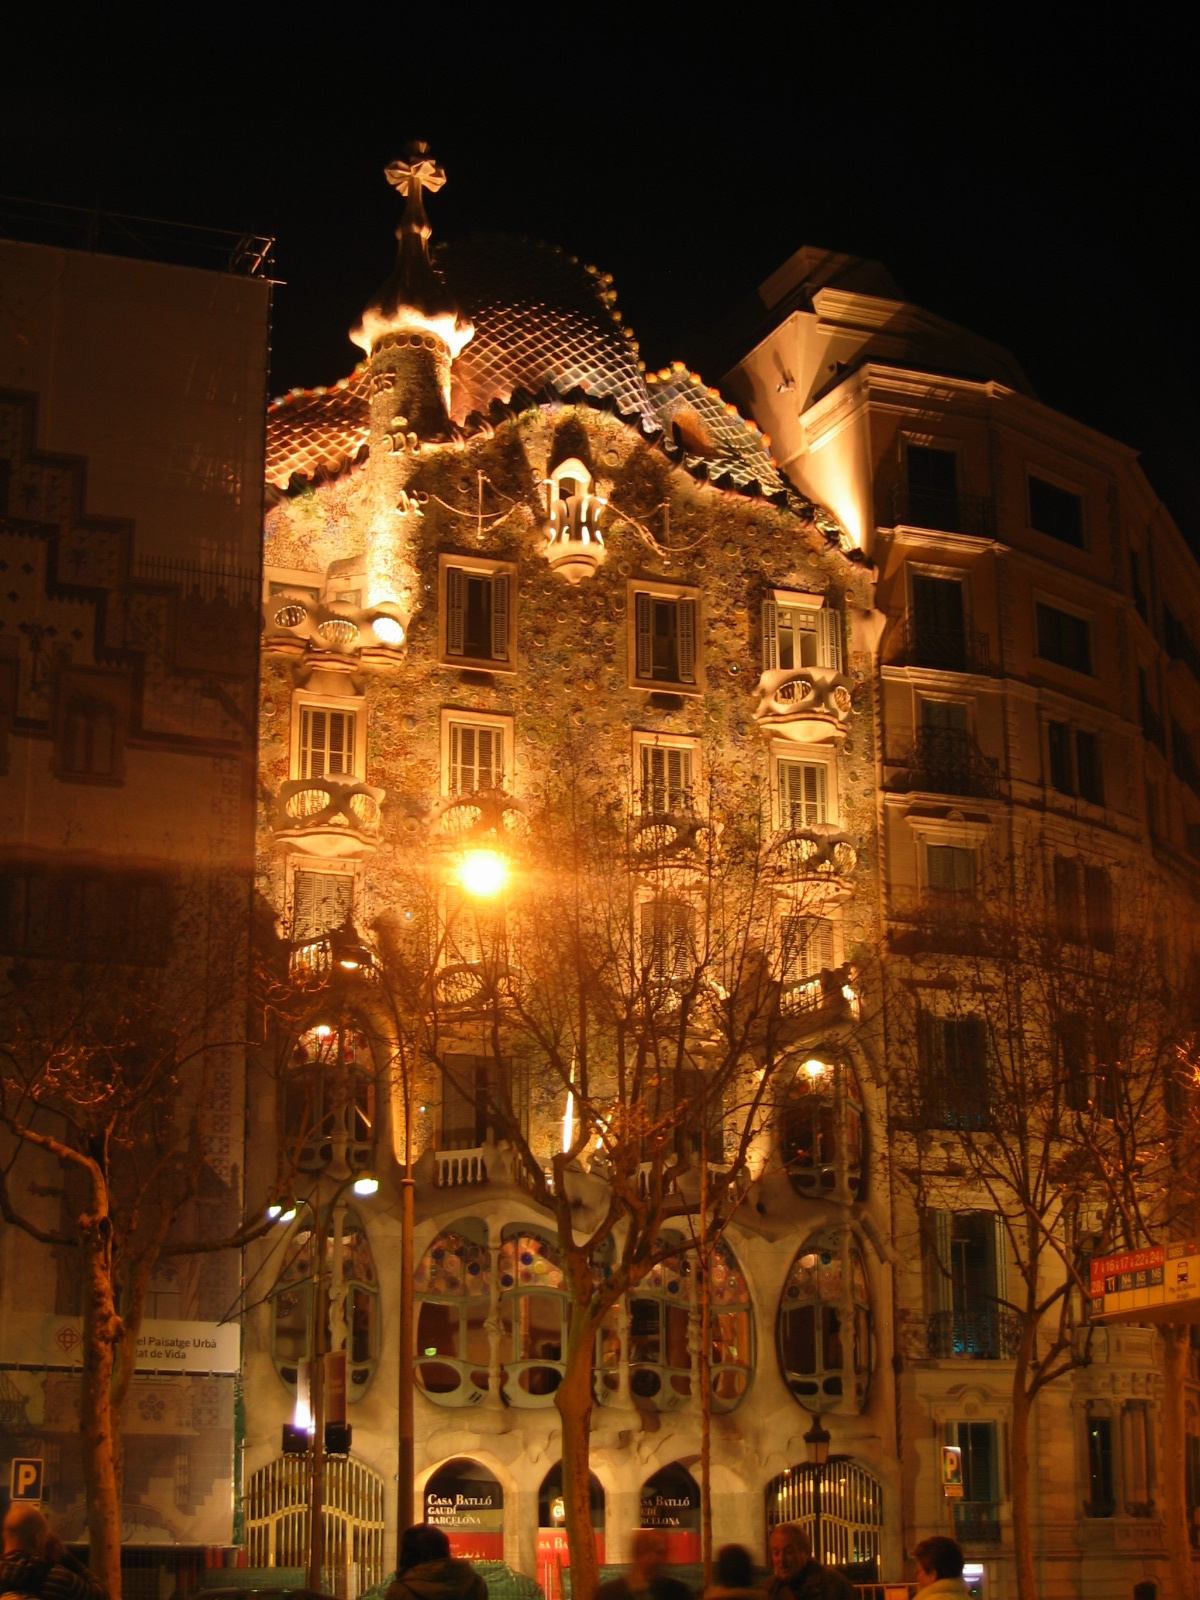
[839,1506]
[277,1524]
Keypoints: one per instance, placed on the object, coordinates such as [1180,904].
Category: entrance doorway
[553,1557]
[671,1501]
[839,1506]
[467,1503]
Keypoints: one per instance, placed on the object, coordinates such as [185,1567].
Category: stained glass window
[453,1285]
[824,1328]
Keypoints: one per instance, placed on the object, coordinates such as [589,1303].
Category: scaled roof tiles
[545,330]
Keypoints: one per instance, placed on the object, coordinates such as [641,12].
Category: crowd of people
[427,1571]
[37,1566]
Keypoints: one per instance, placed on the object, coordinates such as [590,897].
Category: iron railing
[985,1335]
[144,238]
[919,642]
[944,511]
[948,761]
[977,1522]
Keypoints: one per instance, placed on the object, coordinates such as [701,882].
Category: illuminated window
[477,624]
[665,637]
[803,793]
[453,1285]
[824,1327]
[668,940]
[534,1312]
[823,1129]
[326,742]
[666,772]
[476,758]
[329,1099]
[351,1306]
[660,1366]
[798,631]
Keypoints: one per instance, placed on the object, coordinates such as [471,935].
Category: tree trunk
[1022,1405]
[1174,1445]
[704,1278]
[101,1329]
[574,1400]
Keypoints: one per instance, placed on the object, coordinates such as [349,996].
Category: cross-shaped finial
[415,173]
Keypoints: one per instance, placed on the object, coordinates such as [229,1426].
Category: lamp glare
[483,873]
[367,1184]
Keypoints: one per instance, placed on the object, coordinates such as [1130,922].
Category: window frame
[314,866]
[315,700]
[1055,604]
[646,740]
[452,716]
[792,752]
[676,593]
[1055,481]
[477,567]
[828,632]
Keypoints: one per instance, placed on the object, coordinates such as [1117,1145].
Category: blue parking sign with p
[26,1481]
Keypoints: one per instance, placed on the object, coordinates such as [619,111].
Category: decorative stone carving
[803,702]
[340,629]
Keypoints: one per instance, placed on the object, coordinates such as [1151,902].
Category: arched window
[670,1500]
[329,1098]
[351,1298]
[466,1501]
[453,1285]
[660,1364]
[823,1128]
[533,1318]
[662,1310]
[824,1326]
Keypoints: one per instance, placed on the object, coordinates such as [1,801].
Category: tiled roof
[541,321]
[316,433]
[546,330]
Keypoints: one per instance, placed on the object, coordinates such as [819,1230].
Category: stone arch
[840,1507]
[670,1501]
[465,1498]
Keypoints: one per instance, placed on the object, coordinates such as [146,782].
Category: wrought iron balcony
[337,628]
[976,1522]
[988,1334]
[919,642]
[936,919]
[802,694]
[944,511]
[329,816]
[948,761]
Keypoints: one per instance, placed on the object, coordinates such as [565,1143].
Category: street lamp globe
[483,873]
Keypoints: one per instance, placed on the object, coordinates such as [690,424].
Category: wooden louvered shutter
[943,1282]
[455,610]
[687,641]
[500,617]
[644,623]
[678,778]
[822,945]
[829,639]
[770,636]
[304,899]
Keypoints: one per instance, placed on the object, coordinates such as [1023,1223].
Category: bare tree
[102,1076]
[1030,1064]
[653,965]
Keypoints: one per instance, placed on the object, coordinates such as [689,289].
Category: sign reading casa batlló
[1158,1284]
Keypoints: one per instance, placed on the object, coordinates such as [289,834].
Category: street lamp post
[816,1443]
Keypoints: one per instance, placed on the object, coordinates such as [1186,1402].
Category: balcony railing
[456,1169]
[918,642]
[937,919]
[989,1334]
[944,511]
[821,850]
[948,761]
[977,1521]
[798,694]
[329,816]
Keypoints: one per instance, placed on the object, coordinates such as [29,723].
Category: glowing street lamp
[483,873]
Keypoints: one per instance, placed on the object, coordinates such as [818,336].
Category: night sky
[1038,186]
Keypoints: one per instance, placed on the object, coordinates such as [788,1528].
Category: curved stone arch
[841,1507]
[488,1540]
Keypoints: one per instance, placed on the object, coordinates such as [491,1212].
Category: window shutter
[829,637]
[687,641]
[468,766]
[500,617]
[770,636]
[304,905]
[943,1284]
[645,637]
[454,611]
[998,1259]
[824,944]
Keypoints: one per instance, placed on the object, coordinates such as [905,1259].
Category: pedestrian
[645,1579]
[427,1571]
[797,1576]
[37,1563]
[734,1575]
[939,1567]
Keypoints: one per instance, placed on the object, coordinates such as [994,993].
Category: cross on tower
[411,175]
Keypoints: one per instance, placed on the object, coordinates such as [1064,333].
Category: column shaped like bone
[412,330]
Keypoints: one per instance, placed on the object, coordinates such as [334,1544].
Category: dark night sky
[1039,187]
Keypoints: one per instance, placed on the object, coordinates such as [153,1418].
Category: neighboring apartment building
[1039,691]
[131,461]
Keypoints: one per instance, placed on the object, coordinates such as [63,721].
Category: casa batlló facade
[921,617]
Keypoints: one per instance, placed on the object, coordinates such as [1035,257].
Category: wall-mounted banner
[163,1346]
